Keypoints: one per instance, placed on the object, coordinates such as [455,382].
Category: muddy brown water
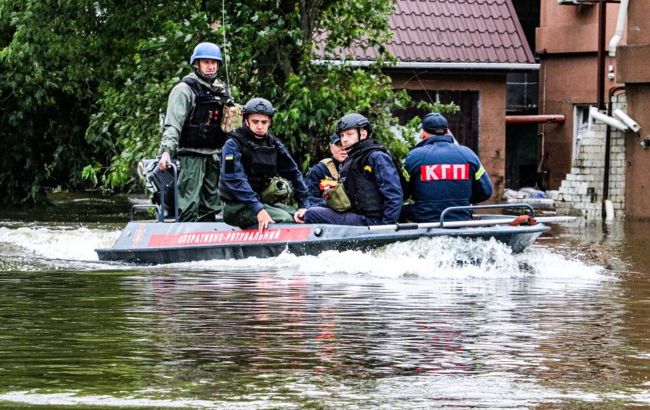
[426,324]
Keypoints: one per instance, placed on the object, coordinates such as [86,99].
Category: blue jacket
[444,174]
[312,179]
[234,182]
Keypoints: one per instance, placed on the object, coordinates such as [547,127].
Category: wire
[223,23]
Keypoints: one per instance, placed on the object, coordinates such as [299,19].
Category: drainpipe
[608,143]
[535,119]
[620,26]
[602,22]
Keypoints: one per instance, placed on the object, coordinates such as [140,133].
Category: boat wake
[58,246]
[74,248]
[441,258]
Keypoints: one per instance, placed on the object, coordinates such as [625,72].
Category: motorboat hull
[157,243]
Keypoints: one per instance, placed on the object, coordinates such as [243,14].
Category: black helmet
[259,106]
[354,120]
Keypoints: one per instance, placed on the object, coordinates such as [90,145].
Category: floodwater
[427,324]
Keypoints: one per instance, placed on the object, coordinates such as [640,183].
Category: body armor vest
[202,127]
[259,159]
[359,180]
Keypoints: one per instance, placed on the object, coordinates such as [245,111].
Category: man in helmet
[326,169]
[192,133]
[369,175]
[251,162]
[443,174]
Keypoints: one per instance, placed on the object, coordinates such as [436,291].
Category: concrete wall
[567,45]
[492,109]
[571,29]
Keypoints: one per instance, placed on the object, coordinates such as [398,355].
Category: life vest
[259,158]
[359,180]
[202,128]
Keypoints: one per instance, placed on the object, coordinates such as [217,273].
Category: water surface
[432,323]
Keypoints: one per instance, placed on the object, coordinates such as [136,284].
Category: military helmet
[208,51]
[354,120]
[259,106]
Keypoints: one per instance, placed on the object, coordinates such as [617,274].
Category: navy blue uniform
[444,174]
[379,170]
[234,184]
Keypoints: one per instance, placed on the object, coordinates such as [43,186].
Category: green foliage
[127,124]
[87,81]
[57,56]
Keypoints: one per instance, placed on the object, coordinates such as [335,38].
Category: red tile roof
[455,31]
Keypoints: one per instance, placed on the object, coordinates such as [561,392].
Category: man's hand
[263,220]
[164,163]
[299,216]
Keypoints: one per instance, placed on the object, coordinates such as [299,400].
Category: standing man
[192,132]
[369,175]
[252,160]
[443,174]
[326,169]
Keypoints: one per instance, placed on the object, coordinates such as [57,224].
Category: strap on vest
[331,167]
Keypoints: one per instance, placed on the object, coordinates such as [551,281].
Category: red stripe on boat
[216,238]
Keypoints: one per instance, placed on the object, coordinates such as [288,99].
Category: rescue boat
[158,242]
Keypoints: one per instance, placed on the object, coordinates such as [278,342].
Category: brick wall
[581,192]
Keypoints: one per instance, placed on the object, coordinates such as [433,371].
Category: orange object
[327,184]
[523,220]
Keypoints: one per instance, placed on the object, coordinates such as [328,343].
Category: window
[580,126]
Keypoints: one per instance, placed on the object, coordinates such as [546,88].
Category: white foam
[59,242]
[442,258]
[454,258]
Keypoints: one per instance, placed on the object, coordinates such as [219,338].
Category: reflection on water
[426,324]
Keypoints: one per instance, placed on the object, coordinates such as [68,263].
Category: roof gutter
[437,65]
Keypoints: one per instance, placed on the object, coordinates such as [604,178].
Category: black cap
[434,123]
[335,139]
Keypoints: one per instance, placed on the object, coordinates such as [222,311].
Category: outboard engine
[159,183]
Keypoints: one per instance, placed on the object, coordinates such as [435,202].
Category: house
[567,46]
[632,70]
[463,51]
[583,65]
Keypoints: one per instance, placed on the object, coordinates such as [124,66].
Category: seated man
[443,174]
[326,169]
[369,175]
[251,157]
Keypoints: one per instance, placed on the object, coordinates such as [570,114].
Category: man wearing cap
[326,169]
[443,174]
[192,133]
[370,176]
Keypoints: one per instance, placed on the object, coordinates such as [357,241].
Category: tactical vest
[202,128]
[259,159]
[359,180]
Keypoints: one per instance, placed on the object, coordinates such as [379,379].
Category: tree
[58,56]
[88,79]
